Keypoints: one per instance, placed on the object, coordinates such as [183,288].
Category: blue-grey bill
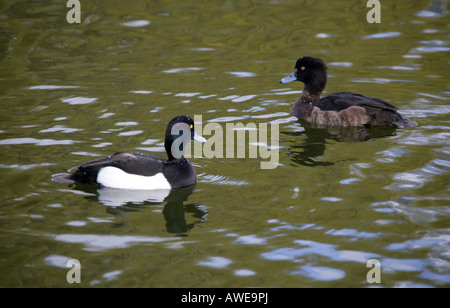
[199,138]
[289,78]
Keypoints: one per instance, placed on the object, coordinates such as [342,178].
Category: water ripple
[79,100]
[382,35]
[320,273]
[60,128]
[95,242]
[417,178]
[39,142]
[51,87]
[136,23]
[215,262]
[311,248]
[181,70]
[242,74]
[219,179]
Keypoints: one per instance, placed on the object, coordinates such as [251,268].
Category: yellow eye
[192,126]
[302,68]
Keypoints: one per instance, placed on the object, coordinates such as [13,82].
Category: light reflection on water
[332,204]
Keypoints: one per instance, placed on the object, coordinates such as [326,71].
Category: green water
[74,92]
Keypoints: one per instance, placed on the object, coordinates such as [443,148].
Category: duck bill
[289,78]
[199,138]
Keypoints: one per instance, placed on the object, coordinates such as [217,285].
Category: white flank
[116,178]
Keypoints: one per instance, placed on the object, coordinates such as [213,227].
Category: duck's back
[342,100]
[130,162]
[352,109]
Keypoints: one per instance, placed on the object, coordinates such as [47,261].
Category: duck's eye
[192,126]
[302,68]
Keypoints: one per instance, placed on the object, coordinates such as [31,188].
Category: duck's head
[180,131]
[312,72]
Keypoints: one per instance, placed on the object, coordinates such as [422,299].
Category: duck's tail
[403,122]
[63,178]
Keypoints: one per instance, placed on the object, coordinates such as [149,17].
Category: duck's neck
[302,105]
[174,153]
[307,97]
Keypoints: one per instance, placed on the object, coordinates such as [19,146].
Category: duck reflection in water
[316,138]
[121,201]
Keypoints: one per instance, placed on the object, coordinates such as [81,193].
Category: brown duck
[339,108]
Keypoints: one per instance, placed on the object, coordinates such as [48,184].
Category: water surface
[74,92]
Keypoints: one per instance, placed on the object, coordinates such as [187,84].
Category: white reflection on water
[112,275]
[117,197]
[379,80]
[438,242]
[250,240]
[181,70]
[228,119]
[427,49]
[40,142]
[320,273]
[56,260]
[401,68]
[216,262]
[128,123]
[244,272]
[142,92]
[95,242]
[309,251]
[78,100]
[353,233]
[419,138]
[25,167]
[136,23]
[416,178]
[311,248]
[219,179]
[60,128]
[242,74]
[323,35]
[188,94]
[51,87]
[414,214]
[381,35]
[131,133]
[77,223]
[341,64]
[243,98]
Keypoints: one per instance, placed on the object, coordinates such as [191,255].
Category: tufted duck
[135,170]
[339,108]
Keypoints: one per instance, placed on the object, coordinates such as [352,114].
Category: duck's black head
[180,131]
[312,72]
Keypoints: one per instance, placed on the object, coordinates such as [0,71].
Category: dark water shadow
[121,201]
[315,138]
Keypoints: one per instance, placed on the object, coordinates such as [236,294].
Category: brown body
[339,108]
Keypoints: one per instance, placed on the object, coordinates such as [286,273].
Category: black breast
[179,173]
